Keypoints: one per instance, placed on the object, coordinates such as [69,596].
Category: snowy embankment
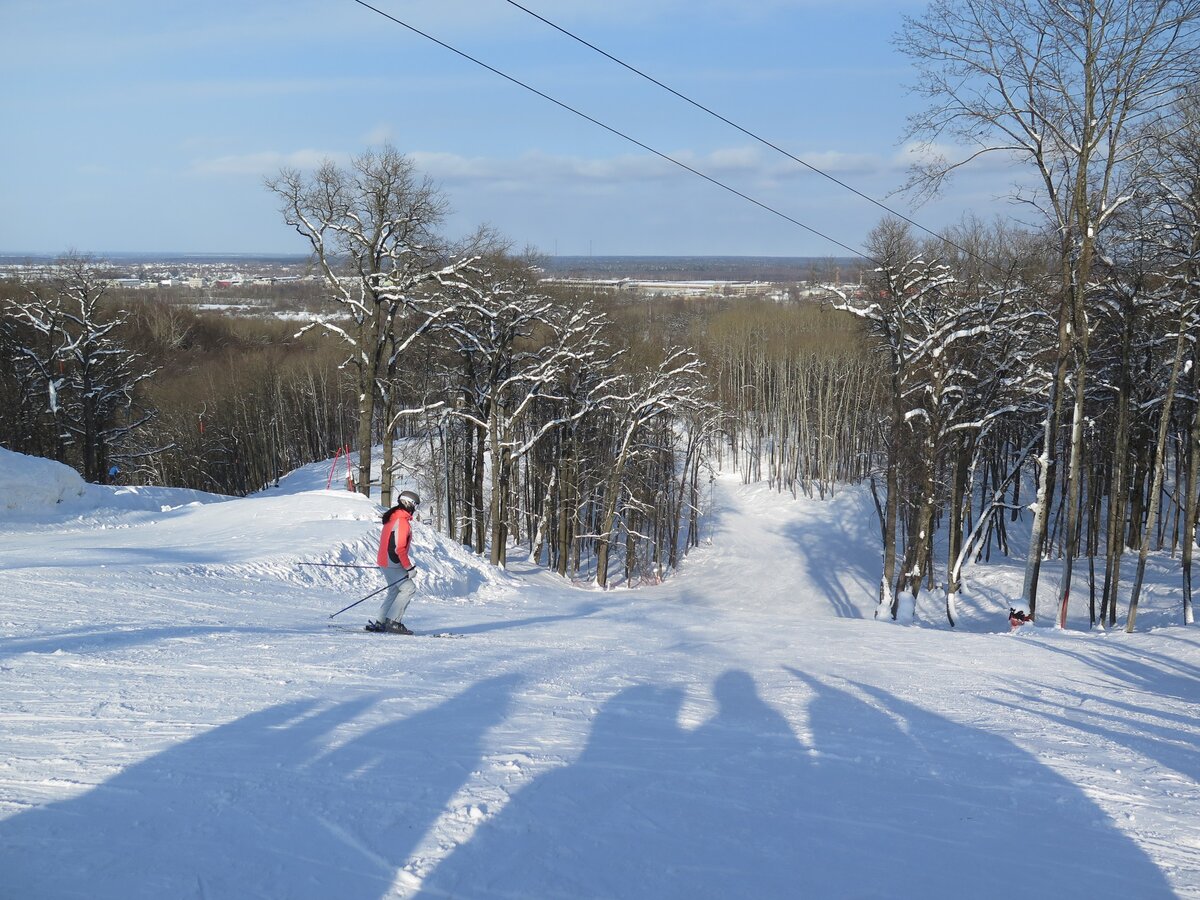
[177,719]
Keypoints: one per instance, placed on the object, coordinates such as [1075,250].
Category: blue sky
[149,126]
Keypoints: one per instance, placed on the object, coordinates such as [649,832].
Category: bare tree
[516,348]
[1063,87]
[1174,231]
[904,283]
[670,388]
[372,229]
[89,376]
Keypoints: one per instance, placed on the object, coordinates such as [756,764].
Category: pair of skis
[358,629]
[441,634]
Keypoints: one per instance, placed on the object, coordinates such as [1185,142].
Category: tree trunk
[499,506]
[1118,492]
[387,471]
[366,412]
[1189,518]
[480,527]
[1045,492]
[1074,473]
[958,501]
[1160,455]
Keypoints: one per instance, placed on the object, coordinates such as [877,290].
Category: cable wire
[750,134]
[611,130]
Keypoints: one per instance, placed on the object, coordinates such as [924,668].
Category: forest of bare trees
[1025,390]
[523,417]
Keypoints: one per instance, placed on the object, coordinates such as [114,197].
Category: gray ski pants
[400,591]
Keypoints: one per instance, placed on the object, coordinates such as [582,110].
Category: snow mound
[44,492]
[29,484]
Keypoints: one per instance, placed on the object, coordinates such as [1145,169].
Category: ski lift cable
[750,134]
[710,179]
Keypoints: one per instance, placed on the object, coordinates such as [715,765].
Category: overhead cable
[745,131]
[571,109]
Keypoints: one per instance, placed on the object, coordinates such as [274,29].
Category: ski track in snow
[177,720]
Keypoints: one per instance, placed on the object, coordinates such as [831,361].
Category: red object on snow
[1016,618]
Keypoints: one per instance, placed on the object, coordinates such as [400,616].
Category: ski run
[178,720]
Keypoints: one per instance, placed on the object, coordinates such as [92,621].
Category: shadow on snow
[888,800]
[270,805]
[302,800]
[107,637]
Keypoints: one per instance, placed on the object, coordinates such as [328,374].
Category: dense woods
[1030,391]
[520,422]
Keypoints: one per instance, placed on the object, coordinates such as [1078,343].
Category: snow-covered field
[177,718]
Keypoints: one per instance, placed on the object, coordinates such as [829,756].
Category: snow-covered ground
[177,718]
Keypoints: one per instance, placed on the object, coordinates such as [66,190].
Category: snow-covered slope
[177,719]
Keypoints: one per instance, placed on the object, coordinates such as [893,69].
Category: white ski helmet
[408,500]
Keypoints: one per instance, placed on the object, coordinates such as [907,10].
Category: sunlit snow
[178,718]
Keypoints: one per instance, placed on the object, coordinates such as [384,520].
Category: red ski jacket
[397,535]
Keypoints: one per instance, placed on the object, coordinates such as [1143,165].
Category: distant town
[222,279]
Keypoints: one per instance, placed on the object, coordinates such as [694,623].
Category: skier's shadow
[886,800]
[260,807]
[648,810]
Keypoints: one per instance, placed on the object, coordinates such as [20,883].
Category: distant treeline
[780,269]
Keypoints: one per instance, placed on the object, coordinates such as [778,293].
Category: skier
[397,567]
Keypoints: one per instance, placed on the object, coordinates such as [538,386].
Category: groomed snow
[177,718]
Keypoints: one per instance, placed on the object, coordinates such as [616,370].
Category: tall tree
[903,285]
[515,347]
[372,228]
[1062,86]
[1173,158]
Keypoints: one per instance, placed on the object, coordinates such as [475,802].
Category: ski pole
[356,602]
[337,565]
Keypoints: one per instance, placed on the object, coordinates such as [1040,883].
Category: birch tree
[516,347]
[902,284]
[1174,163]
[673,386]
[1062,87]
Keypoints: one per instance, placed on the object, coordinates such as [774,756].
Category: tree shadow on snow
[114,558]
[1168,736]
[1127,664]
[889,801]
[108,637]
[834,554]
[297,801]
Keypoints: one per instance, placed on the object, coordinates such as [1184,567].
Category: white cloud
[537,167]
[628,167]
[266,162]
[746,163]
